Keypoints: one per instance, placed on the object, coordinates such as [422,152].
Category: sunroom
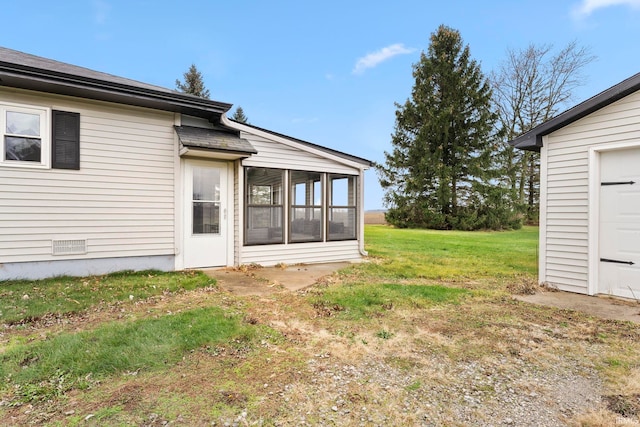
[298,202]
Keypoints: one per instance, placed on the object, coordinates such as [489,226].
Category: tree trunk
[454,196]
[523,177]
[531,178]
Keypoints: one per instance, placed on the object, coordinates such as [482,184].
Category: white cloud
[373,59]
[587,7]
[101,11]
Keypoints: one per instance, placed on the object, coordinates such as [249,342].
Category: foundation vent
[68,247]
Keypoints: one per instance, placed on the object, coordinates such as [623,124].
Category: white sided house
[590,194]
[99,173]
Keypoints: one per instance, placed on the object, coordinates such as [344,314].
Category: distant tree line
[451,166]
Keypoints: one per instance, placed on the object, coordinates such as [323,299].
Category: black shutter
[65,140]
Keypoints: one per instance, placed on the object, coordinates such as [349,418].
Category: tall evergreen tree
[437,175]
[239,116]
[193,83]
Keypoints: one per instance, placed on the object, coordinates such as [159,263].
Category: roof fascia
[532,140]
[15,75]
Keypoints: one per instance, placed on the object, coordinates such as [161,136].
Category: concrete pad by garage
[267,280]
[600,306]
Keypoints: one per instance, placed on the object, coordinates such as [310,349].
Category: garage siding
[566,202]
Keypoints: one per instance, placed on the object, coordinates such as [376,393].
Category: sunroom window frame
[288,204]
[291,206]
[356,188]
[248,206]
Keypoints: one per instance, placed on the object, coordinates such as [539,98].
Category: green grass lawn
[26,300]
[449,255]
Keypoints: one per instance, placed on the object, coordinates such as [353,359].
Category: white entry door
[205,214]
[619,233]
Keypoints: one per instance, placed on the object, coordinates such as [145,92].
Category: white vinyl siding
[121,200]
[272,154]
[297,253]
[565,243]
[278,155]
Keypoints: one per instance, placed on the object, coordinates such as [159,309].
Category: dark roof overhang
[24,71]
[532,140]
[223,143]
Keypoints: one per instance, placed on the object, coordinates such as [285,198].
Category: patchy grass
[426,333]
[361,300]
[45,369]
[26,301]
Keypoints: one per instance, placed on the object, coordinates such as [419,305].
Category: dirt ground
[264,281]
[488,362]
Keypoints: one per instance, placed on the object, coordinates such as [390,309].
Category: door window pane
[206,218]
[206,184]
[206,200]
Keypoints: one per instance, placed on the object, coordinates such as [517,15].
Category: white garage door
[620,223]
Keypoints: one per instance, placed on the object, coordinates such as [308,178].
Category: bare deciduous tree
[530,87]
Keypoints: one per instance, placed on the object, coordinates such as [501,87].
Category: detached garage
[590,194]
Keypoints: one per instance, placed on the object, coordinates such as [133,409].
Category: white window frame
[45,135]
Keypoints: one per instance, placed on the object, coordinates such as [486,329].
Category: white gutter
[361,216]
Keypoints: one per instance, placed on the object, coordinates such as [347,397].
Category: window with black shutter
[65,141]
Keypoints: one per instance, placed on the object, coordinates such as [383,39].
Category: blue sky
[326,71]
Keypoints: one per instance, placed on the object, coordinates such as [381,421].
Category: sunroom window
[25,140]
[306,223]
[310,214]
[265,202]
[342,207]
